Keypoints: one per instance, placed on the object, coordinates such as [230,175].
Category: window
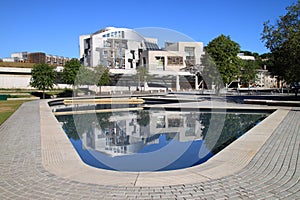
[117,65]
[175,60]
[124,44]
[160,63]
[106,43]
[109,64]
[190,55]
[175,122]
[104,54]
[161,122]
[189,51]
[133,54]
[117,44]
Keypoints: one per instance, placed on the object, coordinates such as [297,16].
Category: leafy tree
[43,77]
[142,75]
[103,77]
[223,52]
[249,71]
[85,76]
[210,74]
[283,40]
[70,71]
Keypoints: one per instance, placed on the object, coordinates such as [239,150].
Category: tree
[223,52]
[85,76]
[43,77]
[210,74]
[103,77]
[70,71]
[283,40]
[142,75]
[249,71]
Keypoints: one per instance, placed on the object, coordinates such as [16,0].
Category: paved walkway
[273,173]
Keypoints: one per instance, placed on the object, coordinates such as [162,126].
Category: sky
[54,26]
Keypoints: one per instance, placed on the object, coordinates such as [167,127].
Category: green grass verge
[7,108]
[16,64]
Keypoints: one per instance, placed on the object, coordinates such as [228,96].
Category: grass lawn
[7,108]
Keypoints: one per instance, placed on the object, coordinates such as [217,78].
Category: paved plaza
[38,162]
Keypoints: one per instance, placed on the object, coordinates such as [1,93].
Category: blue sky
[54,26]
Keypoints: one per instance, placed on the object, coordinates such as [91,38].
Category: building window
[133,54]
[176,122]
[117,65]
[160,63]
[124,44]
[106,43]
[109,64]
[161,122]
[117,45]
[190,56]
[104,54]
[175,60]
[189,51]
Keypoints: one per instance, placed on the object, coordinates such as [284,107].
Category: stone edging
[60,158]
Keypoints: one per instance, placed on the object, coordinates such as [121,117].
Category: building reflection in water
[154,140]
[129,132]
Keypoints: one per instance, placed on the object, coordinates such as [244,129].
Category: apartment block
[37,57]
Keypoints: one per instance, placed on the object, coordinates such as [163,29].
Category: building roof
[151,46]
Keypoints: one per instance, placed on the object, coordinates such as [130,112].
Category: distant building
[243,57]
[19,56]
[263,76]
[36,57]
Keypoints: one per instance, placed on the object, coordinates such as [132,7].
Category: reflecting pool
[154,140]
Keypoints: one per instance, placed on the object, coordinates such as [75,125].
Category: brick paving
[273,173]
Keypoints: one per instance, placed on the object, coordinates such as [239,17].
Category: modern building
[124,50]
[116,48]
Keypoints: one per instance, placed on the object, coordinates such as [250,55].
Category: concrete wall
[15,81]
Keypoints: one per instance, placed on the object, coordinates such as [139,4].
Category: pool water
[154,140]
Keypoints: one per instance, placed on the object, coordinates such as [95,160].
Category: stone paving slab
[273,172]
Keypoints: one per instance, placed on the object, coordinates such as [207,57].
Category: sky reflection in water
[153,140]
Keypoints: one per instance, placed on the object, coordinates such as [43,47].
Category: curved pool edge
[60,158]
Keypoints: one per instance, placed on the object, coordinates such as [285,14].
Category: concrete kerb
[60,158]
